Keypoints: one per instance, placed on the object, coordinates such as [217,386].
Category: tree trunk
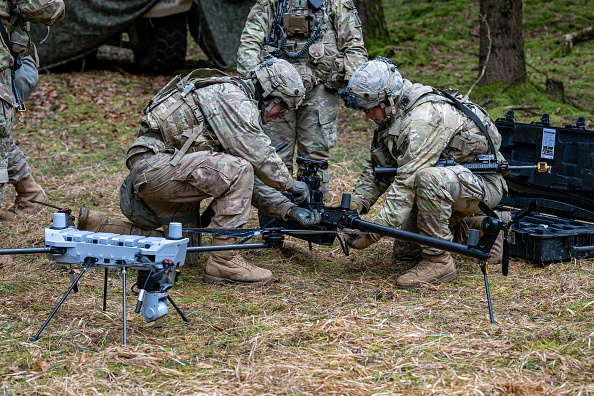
[372,17]
[501,41]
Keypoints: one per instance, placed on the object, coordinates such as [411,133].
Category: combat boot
[227,266]
[431,269]
[27,189]
[91,220]
[475,222]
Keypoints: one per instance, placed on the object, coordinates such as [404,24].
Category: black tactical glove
[299,191]
[305,217]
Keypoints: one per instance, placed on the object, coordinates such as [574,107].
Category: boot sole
[444,279]
[213,280]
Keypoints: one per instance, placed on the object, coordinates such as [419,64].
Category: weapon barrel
[421,239]
[519,167]
[384,171]
[25,251]
[240,246]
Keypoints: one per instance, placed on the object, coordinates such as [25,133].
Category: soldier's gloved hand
[299,191]
[364,242]
[305,217]
[354,205]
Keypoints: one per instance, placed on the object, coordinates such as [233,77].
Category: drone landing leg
[178,310]
[483,265]
[105,291]
[88,263]
[124,303]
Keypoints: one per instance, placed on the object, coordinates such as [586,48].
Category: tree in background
[372,17]
[501,53]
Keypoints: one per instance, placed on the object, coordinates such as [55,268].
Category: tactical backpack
[175,111]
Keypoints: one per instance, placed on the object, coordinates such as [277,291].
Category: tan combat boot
[227,266]
[431,269]
[27,189]
[474,222]
[91,220]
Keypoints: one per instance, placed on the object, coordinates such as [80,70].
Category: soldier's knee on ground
[406,254]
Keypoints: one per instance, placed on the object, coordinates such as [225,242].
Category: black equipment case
[562,226]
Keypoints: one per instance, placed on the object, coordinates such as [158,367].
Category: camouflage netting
[217,27]
[87,25]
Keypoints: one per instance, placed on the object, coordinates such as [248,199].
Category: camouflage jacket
[232,126]
[424,128]
[46,12]
[330,60]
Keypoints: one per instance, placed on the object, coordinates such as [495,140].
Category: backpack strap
[474,118]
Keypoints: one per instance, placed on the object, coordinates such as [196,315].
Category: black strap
[245,87]
[474,118]
[15,65]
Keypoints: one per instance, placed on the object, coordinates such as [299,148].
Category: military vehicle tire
[163,42]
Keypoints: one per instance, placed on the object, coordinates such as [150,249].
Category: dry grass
[331,325]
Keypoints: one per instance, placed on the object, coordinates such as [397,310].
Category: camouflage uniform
[221,163]
[46,12]
[325,67]
[425,127]
[26,78]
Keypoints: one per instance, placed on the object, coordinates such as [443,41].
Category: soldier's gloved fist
[364,242]
[354,205]
[299,191]
[305,217]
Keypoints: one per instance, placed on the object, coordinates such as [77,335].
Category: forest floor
[331,324]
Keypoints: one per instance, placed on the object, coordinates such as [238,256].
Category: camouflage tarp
[87,25]
[217,26]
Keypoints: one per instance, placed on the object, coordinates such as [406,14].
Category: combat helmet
[279,81]
[374,83]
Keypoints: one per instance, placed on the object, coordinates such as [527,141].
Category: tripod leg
[178,310]
[124,302]
[105,291]
[88,263]
[483,265]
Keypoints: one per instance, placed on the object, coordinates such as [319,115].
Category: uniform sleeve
[422,139]
[234,119]
[349,36]
[255,33]
[369,189]
[46,12]
[269,201]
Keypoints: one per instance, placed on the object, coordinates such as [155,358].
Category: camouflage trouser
[175,192]
[18,168]
[6,124]
[445,196]
[312,127]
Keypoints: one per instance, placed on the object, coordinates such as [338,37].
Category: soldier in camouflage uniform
[202,138]
[15,18]
[19,171]
[415,126]
[323,40]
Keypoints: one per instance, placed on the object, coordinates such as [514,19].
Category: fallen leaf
[43,365]
[82,359]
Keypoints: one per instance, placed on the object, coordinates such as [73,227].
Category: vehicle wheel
[162,44]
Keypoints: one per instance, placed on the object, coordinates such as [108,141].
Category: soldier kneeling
[200,138]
